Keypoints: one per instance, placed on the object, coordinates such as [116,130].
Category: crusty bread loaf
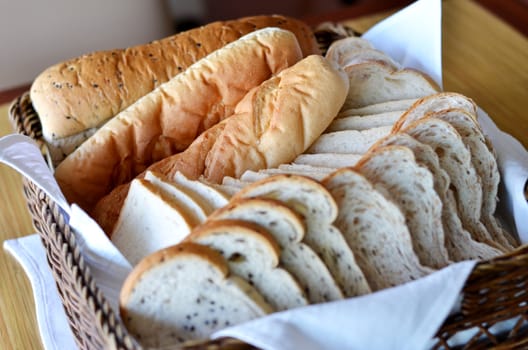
[74,97]
[252,253]
[375,229]
[459,243]
[139,232]
[286,226]
[410,186]
[319,210]
[185,292]
[168,119]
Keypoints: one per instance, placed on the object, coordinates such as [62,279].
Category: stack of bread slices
[403,182]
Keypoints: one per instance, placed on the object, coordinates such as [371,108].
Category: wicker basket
[496,290]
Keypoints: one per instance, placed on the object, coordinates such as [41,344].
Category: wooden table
[483,58]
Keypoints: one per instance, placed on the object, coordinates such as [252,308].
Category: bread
[348,141]
[329,160]
[139,232]
[339,50]
[178,194]
[272,125]
[410,187]
[375,229]
[252,254]
[75,97]
[207,196]
[185,292]
[455,159]
[364,122]
[485,164]
[318,209]
[435,103]
[286,226]
[376,108]
[167,120]
[375,82]
[458,241]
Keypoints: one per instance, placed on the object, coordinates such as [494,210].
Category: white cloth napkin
[405,317]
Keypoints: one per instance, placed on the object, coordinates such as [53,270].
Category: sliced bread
[348,141]
[288,229]
[328,160]
[253,254]
[375,229]
[318,210]
[376,108]
[140,232]
[459,243]
[375,82]
[411,187]
[185,292]
[455,159]
[364,122]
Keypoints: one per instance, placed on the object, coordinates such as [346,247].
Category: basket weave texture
[496,290]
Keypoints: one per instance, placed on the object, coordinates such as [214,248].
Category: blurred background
[35,34]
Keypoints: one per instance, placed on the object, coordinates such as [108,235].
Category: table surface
[483,58]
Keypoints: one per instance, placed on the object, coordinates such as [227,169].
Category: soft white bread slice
[227,190]
[178,195]
[316,173]
[348,141]
[375,229]
[455,159]
[272,125]
[376,108]
[319,210]
[394,172]
[249,176]
[485,164]
[206,195]
[169,118]
[435,103]
[328,160]
[231,181]
[185,292]
[375,82]
[339,50]
[364,122]
[364,55]
[288,229]
[139,232]
[252,253]
[458,241]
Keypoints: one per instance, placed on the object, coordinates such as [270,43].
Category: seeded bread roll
[75,97]
[167,120]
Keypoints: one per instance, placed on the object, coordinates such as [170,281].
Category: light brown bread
[74,97]
[185,292]
[375,82]
[375,230]
[286,226]
[455,159]
[394,170]
[167,120]
[458,241]
[319,210]
[376,108]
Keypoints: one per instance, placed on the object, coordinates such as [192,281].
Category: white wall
[34,34]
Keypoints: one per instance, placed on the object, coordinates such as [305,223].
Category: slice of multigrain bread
[185,292]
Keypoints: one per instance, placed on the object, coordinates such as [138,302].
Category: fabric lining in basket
[496,291]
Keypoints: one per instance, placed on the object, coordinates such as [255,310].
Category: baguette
[75,97]
[169,118]
[264,132]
